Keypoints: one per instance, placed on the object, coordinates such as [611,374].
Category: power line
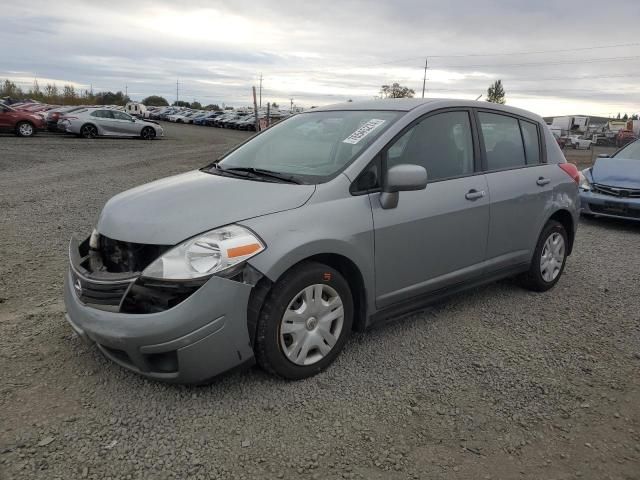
[536,64]
[533,52]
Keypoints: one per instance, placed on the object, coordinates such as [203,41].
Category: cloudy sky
[553,57]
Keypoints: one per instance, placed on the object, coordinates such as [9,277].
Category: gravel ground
[494,383]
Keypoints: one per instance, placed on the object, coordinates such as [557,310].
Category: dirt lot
[585,158]
[495,383]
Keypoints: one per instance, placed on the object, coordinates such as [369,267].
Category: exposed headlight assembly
[207,254]
[584,182]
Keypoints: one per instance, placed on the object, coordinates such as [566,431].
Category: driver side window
[120,116]
[441,143]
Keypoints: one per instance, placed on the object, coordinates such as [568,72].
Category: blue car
[202,119]
[611,188]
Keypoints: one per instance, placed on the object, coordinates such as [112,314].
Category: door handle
[543,181]
[474,194]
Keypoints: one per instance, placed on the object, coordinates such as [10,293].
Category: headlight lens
[584,183]
[206,254]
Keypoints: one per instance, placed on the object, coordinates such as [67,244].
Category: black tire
[88,130]
[533,279]
[25,129]
[268,349]
[148,133]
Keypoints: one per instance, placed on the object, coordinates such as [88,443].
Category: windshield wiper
[260,172]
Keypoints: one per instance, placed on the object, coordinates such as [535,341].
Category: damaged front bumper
[203,335]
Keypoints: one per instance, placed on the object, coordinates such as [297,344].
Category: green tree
[69,95]
[625,117]
[51,92]
[110,98]
[196,105]
[495,93]
[10,89]
[618,117]
[155,101]
[212,106]
[181,103]
[275,105]
[35,91]
[395,90]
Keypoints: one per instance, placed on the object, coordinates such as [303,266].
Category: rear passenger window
[502,141]
[531,142]
[441,143]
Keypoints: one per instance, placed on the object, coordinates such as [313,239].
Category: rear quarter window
[531,139]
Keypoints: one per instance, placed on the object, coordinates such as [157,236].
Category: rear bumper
[609,206]
[200,338]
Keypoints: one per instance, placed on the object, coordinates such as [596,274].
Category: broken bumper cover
[592,203]
[203,336]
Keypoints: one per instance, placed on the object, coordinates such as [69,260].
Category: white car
[580,143]
[99,122]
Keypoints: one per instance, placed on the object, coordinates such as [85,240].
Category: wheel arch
[565,218]
[16,129]
[347,268]
[89,123]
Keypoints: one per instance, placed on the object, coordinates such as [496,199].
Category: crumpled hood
[168,211]
[617,172]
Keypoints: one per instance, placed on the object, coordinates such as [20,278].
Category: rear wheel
[304,322]
[148,133]
[25,129]
[89,131]
[549,258]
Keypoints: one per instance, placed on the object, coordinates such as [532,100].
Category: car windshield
[311,147]
[631,151]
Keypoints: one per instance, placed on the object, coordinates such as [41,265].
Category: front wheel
[305,321]
[25,129]
[148,133]
[549,258]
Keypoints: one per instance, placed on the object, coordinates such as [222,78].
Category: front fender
[341,227]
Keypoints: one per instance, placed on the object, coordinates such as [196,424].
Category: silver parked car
[108,122]
[330,221]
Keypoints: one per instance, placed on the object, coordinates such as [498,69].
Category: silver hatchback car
[330,221]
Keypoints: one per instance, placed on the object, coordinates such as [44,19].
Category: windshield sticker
[363,131]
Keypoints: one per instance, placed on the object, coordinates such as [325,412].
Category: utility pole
[424,80]
[261,90]
[291,104]
[177,92]
[126,90]
[255,110]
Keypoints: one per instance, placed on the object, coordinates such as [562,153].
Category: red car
[625,136]
[23,124]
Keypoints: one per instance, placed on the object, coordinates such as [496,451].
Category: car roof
[426,104]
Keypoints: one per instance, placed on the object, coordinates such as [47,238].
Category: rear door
[520,183]
[435,237]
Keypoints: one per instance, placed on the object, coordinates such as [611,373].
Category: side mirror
[402,178]
[604,155]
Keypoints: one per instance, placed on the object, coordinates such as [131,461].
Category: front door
[435,237]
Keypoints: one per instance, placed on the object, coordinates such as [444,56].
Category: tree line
[65,95]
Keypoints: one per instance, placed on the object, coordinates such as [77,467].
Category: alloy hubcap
[26,129]
[552,257]
[311,324]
